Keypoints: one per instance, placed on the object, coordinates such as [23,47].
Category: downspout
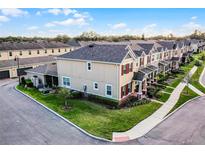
[118,95]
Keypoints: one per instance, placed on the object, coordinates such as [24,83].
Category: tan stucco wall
[101,73]
[25,53]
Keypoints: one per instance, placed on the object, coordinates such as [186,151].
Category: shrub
[102,100]
[23,81]
[76,94]
[202,57]
[136,102]
[151,91]
[198,63]
[29,83]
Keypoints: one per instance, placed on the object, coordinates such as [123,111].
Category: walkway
[146,125]
[195,90]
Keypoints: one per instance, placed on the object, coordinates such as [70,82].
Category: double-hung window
[108,89]
[66,82]
[95,86]
[89,67]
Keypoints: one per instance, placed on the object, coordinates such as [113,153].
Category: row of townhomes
[114,70]
[30,54]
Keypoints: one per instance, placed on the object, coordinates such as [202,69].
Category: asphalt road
[22,121]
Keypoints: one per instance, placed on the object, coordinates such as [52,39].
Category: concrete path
[202,78]
[149,123]
[195,90]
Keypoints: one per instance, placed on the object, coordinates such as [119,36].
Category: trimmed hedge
[102,100]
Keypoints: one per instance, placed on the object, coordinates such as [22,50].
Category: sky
[50,22]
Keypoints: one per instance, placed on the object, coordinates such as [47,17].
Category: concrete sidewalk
[146,125]
[195,90]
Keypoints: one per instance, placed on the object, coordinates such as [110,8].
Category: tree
[65,94]
[143,37]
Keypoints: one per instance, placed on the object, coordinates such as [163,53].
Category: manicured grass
[195,79]
[169,90]
[163,97]
[184,97]
[92,117]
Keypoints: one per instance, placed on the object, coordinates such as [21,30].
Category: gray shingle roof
[98,52]
[48,69]
[146,70]
[175,59]
[27,61]
[167,44]
[152,67]
[139,76]
[8,46]
[146,46]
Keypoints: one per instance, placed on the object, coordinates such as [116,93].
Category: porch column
[140,87]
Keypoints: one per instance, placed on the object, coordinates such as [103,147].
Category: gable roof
[147,47]
[48,69]
[6,46]
[167,44]
[98,52]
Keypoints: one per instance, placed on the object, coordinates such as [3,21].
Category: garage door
[4,74]
[21,71]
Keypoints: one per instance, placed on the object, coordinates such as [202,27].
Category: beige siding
[79,75]
[25,53]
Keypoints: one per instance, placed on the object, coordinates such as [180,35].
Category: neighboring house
[44,75]
[30,54]
[9,68]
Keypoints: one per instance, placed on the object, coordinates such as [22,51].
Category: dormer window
[89,67]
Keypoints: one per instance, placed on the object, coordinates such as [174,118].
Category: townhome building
[28,55]
[115,70]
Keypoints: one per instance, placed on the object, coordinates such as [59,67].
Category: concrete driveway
[22,121]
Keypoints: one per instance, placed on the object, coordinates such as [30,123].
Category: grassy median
[186,95]
[94,118]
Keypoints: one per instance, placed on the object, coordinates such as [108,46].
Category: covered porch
[165,66]
[175,63]
[143,79]
[44,76]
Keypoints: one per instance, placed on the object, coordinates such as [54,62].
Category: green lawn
[162,97]
[95,118]
[184,97]
[169,90]
[195,79]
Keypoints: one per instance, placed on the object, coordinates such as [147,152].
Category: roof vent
[91,45]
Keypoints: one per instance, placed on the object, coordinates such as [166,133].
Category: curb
[180,107]
[66,120]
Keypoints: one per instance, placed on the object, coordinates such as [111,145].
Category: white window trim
[94,86]
[63,83]
[106,90]
[90,66]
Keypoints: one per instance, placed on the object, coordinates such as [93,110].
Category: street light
[18,73]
